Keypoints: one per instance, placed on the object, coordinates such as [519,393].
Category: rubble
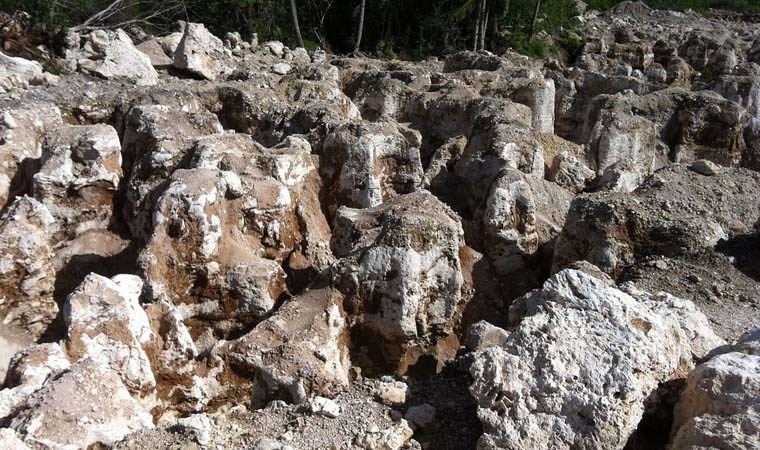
[216,243]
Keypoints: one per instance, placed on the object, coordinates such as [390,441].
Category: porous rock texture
[214,243]
[719,406]
[577,369]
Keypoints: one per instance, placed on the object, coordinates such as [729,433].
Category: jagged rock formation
[212,243]
[576,370]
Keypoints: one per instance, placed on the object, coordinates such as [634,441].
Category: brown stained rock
[364,165]
[106,323]
[22,130]
[156,141]
[79,175]
[299,351]
[399,269]
[27,274]
[224,227]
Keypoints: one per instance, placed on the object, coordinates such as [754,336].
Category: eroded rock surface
[539,388]
[216,243]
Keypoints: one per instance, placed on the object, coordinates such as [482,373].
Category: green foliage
[393,28]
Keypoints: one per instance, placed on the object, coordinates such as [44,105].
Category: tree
[535,19]
[478,17]
[361,26]
[294,13]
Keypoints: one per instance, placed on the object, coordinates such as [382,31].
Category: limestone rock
[367,164]
[392,438]
[156,139]
[298,351]
[587,389]
[719,406]
[523,214]
[35,365]
[154,49]
[106,324]
[400,271]
[26,270]
[392,392]
[224,227]
[10,439]
[610,230]
[80,172]
[621,138]
[324,407]
[20,73]
[112,55]
[54,415]
[21,131]
[201,53]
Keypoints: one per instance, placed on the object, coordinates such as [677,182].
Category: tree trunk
[294,13]
[361,26]
[484,26]
[478,12]
[535,19]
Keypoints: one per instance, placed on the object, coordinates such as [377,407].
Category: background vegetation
[404,28]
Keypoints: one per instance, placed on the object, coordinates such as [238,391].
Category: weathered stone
[20,73]
[401,274]
[154,50]
[35,365]
[54,415]
[156,140]
[622,138]
[392,438]
[523,216]
[21,133]
[106,324]
[586,390]
[79,175]
[719,406]
[201,53]
[112,55]
[610,230]
[223,227]
[299,351]
[365,165]
[10,439]
[27,276]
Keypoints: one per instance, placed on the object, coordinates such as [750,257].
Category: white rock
[201,53]
[118,58]
[281,68]
[324,407]
[391,393]
[106,323]
[200,426]
[10,440]
[392,438]
[720,406]
[575,373]
[276,48]
[86,404]
[21,73]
